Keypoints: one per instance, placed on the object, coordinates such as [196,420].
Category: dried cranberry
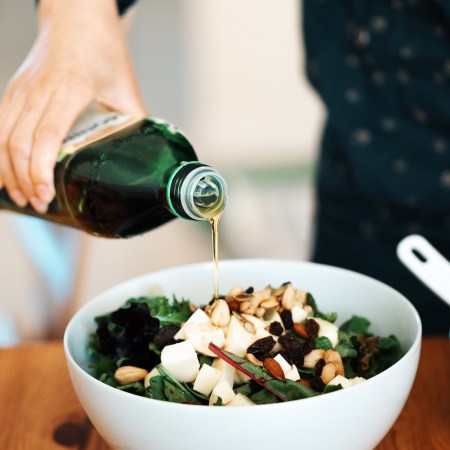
[276,328]
[312,327]
[262,347]
[286,317]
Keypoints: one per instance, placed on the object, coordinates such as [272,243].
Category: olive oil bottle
[118,177]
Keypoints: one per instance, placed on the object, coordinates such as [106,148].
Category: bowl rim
[410,353]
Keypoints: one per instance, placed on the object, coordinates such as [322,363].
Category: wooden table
[39,408]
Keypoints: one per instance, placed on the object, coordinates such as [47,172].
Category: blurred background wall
[230,74]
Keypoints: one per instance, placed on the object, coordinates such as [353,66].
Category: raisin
[286,317]
[165,334]
[308,346]
[249,290]
[276,328]
[312,327]
[319,366]
[296,357]
[286,356]
[262,347]
[317,384]
[289,343]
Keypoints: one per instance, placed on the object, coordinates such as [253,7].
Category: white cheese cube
[292,374]
[223,390]
[283,363]
[328,329]
[357,380]
[339,379]
[181,361]
[240,400]
[198,317]
[206,379]
[153,373]
[202,334]
[228,372]
[298,314]
[238,339]
[257,323]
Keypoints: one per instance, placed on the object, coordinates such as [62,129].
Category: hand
[80,55]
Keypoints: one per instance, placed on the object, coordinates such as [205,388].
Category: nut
[312,357]
[300,329]
[243,297]
[253,359]
[304,382]
[234,291]
[129,374]
[288,298]
[249,327]
[273,367]
[300,296]
[220,313]
[233,304]
[328,372]
[334,357]
[263,295]
[260,312]
[271,302]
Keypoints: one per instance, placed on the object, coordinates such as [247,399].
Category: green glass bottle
[134,178]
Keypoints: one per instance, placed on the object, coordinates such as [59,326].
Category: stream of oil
[215,243]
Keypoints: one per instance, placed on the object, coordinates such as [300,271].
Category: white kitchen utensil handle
[419,256]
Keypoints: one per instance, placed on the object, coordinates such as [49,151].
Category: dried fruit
[165,335]
[129,374]
[273,367]
[286,317]
[300,330]
[319,366]
[262,347]
[312,327]
[289,342]
[276,328]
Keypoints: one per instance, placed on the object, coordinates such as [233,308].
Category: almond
[300,329]
[274,368]
[304,382]
[129,374]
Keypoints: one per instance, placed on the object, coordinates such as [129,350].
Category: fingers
[54,124]
[9,114]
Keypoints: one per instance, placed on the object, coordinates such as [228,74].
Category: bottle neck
[195,191]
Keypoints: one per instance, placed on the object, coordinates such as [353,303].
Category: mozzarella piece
[240,400]
[283,363]
[290,371]
[228,372]
[206,379]
[198,317]
[153,373]
[201,335]
[181,361]
[223,390]
[329,330]
[238,339]
[298,314]
[257,323]
[292,374]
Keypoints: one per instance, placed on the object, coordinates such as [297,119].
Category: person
[80,56]
[382,70]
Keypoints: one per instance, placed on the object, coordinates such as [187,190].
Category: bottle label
[94,124]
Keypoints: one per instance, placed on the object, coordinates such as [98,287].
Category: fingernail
[38,205]
[18,198]
[44,193]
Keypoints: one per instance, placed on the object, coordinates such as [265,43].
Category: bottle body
[117,186]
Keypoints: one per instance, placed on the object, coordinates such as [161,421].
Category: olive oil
[215,244]
[135,177]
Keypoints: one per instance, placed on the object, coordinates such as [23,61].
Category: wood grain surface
[39,408]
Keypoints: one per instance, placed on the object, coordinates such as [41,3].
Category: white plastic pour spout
[422,259]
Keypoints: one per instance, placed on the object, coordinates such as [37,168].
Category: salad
[245,348]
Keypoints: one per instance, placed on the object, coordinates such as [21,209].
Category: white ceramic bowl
[356,418]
